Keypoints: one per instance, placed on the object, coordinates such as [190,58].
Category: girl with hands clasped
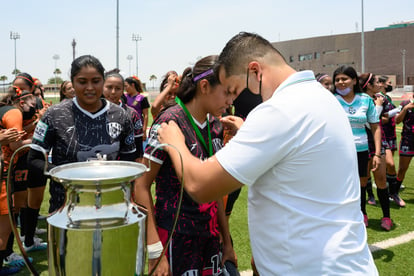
[195,246]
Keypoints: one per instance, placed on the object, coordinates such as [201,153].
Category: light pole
[55,57]
[73,48]
[136,38]
[117,34]
[15,36]
[129,58]
[362,39]
[403,51]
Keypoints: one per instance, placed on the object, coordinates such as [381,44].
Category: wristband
[378,155]
[154,250]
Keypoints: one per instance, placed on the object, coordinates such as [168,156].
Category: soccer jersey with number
[195,219]
[77,135]
[360,111]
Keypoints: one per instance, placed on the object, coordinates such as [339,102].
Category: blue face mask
[344,92]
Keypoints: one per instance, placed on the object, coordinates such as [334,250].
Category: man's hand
[232,124]
[170,134]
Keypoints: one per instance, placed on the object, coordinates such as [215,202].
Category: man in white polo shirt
[295,151]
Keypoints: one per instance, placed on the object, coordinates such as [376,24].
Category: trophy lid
[91,175]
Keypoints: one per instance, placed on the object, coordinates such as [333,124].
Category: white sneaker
[35,238]
[40,231]
[15,260]
[35,247]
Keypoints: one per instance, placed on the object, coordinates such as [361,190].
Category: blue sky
[174,33]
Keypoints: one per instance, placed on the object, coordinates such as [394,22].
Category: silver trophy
[99,231]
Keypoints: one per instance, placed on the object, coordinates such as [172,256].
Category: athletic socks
[31,222]
[369,188]
[398,184]
[392,184]
[23,212]
[384,201]
[3,255]
[363,200]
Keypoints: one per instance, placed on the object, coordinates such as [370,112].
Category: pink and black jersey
[135,118]
[78,135]
[195,219]
[387,129]
[408,121]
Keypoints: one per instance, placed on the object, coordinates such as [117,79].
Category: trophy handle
[10,203]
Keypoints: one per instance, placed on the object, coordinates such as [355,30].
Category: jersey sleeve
[372,114]
[13,119]
[127,138]
[144,103]
[159,155]
[44,132]
[136,121]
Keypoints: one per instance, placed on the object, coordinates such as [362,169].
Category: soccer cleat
[398,200]
[37,246]
[386,223]
[366,220]
[15,260]
[9,270]
[371,200]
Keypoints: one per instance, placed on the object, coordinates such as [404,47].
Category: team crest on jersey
[351,110]
[130,139]
[114,129]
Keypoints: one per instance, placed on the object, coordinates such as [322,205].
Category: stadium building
[388,51]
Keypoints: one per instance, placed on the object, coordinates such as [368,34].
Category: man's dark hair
[242,49]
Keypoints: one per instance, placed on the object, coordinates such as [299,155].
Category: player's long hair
[205,68]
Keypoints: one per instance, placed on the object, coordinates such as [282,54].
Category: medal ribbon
[195,127]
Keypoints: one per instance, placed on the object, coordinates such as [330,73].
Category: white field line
[392,242]
[373,247]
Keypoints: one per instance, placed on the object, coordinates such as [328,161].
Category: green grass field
[393,261]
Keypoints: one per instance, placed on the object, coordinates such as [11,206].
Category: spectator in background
[16,106]
[406,116]
[66,90]
[325,80]
[168,90]
[360,110]
[137,101]
[113,91]
[388,132]
[370,85]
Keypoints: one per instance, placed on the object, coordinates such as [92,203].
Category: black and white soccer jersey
[77,135]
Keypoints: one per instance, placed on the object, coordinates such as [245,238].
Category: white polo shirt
[297,155]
